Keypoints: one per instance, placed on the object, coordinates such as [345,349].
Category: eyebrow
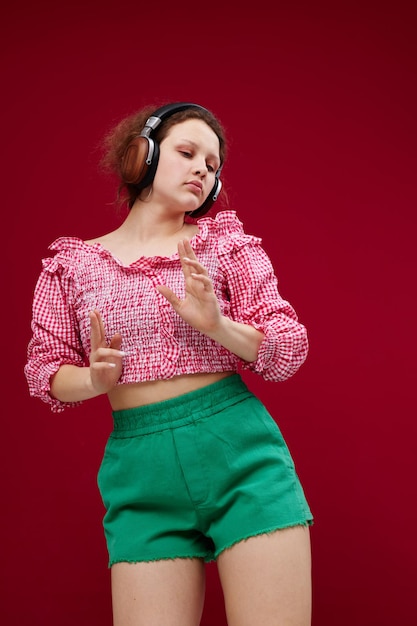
[195,145]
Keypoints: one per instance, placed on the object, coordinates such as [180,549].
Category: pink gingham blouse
[158,344]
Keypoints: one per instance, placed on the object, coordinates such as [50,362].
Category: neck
[146,222]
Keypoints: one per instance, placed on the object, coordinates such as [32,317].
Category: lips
[195,185]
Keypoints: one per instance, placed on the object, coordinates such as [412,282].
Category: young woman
[160,315]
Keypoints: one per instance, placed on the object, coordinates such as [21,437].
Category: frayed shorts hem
[268,531]
[132,561]
[211,557]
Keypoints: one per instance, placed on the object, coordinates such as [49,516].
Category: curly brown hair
[115,142]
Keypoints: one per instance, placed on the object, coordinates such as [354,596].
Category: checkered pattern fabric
[158,343]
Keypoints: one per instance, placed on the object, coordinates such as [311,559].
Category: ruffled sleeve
[55,340]
[255,300]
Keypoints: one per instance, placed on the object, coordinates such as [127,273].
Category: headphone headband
[160,114]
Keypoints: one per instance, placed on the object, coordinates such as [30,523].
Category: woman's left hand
[200,308]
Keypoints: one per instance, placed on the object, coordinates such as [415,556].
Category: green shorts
[191,476]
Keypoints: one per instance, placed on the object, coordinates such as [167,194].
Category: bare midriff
[139,394]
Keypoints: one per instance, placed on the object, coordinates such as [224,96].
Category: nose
[200,167]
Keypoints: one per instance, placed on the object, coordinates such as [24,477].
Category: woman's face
[188,161]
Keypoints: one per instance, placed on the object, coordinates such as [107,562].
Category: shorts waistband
[181,410]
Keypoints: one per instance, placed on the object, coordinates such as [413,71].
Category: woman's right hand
[105,359]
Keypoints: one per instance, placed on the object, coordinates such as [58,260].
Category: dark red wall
[319,102]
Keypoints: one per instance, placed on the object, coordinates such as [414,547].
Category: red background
[319,102]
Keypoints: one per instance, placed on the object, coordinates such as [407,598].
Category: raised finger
[189,259]
[100,321]
[104,353]
[205,280]
[102,365]
[169,295]
[195,266]
[95,332]
[116,341]
[188,249]
[184,264]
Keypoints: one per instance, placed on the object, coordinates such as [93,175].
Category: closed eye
[189,155]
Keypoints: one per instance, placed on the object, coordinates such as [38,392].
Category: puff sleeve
[55,340]
[255,300]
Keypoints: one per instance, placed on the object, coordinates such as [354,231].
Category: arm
[241,339]
[264,330]
[75,384]
[56,369]
[255,300]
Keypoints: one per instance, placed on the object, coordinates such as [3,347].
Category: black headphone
[140,159]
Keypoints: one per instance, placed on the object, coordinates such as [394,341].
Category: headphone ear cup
[217,187]
[135,162]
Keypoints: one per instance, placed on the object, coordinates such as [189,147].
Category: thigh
[266,580]
[166,592]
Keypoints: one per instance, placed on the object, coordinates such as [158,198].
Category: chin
[185,203]
[191,205]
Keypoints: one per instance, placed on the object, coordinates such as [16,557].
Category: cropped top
[158,344]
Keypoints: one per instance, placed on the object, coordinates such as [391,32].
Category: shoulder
[66,253]
[228,230]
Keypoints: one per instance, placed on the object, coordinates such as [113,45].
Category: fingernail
[121,353]
[111,364]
